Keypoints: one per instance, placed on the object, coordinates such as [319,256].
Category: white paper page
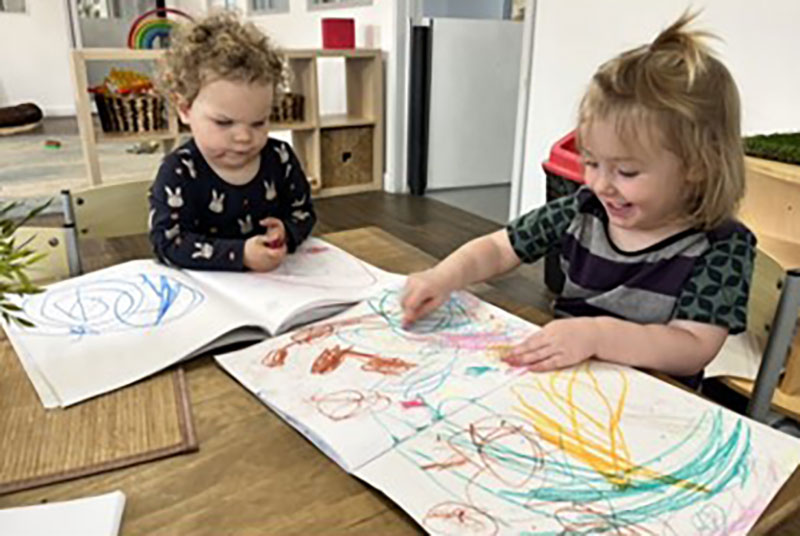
[598,449]
[90,516]
[739,357]
[359,383]
[107,329]
[318,274]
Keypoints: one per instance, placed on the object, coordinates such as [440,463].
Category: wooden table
[254,474]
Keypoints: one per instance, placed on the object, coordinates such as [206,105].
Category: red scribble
[580,519]
[316,249]
[454,518]
[349,403]
[455,461]
[408,404]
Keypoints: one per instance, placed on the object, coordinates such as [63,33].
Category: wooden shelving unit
[357,165]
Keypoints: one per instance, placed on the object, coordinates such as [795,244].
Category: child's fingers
[530,344]
[530,351]
[553,362]
[416,305]
[271,223]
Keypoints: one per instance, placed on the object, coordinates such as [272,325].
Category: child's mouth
[618,210]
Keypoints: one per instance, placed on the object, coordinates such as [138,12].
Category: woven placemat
[148,420]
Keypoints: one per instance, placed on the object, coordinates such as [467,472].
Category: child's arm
[298,214]
[477,260]
[712,303]
[173,231]
[680,348]
[525,239]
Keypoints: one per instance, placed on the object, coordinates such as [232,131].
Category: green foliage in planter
[15,259]
[780,147]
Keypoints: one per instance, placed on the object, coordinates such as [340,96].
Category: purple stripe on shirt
[592,272]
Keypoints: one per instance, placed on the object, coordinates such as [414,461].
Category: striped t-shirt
[702,276]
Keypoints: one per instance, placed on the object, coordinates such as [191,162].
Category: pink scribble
[408,404]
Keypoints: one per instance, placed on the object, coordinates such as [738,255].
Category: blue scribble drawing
[138,302]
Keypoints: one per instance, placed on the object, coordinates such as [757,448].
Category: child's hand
[423,293]
[261,253]
[276,232]
[559,344]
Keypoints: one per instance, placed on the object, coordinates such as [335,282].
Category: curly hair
[677,90]
[218,46]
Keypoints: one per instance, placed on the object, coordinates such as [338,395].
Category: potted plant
[15,259]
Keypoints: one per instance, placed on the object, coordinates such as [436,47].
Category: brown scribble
[349,403]
[582,519]
[329,360]
[453,518]
[275,358]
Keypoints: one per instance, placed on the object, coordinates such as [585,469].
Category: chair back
[111,210]
[53,243]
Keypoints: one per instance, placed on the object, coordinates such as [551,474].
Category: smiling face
[641,185]
[230,122]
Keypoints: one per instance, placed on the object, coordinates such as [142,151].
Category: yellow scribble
[596,441]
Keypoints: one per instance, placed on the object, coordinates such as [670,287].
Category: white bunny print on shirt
[245,225]
[190,166]
[204,250]
[173,231]
[283,153]
[217,202]
[174,198]
[272,191]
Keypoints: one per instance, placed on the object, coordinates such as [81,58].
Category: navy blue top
[199,221]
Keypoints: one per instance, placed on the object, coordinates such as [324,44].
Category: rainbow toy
[153,25]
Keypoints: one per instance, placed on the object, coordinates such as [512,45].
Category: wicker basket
[131,113]
[288,108]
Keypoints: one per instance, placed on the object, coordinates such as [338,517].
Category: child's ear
[183,107]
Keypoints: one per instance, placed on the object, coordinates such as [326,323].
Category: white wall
[465,9]
[34,57]
[760,47]
[376,26]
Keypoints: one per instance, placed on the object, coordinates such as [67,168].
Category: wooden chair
[107,211]
[772,319]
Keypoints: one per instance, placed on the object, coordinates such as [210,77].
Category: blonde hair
[687,97]
[218,46]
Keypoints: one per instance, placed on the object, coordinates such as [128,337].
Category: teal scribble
[478,371]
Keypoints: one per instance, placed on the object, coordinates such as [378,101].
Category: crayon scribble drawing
[592,450]
[363,375]
[101,306]
[469,446]
[318,264]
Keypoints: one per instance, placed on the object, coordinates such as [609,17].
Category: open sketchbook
[90,516]
[468,445]
[110,328]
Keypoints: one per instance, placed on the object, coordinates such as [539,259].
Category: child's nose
[601,180]
[242,134]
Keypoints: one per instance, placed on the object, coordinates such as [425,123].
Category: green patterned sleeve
[539,231]
[717,291]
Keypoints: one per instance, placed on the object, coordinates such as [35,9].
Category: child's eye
[223,122]
[259,124]
[589,163]
[628,174]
